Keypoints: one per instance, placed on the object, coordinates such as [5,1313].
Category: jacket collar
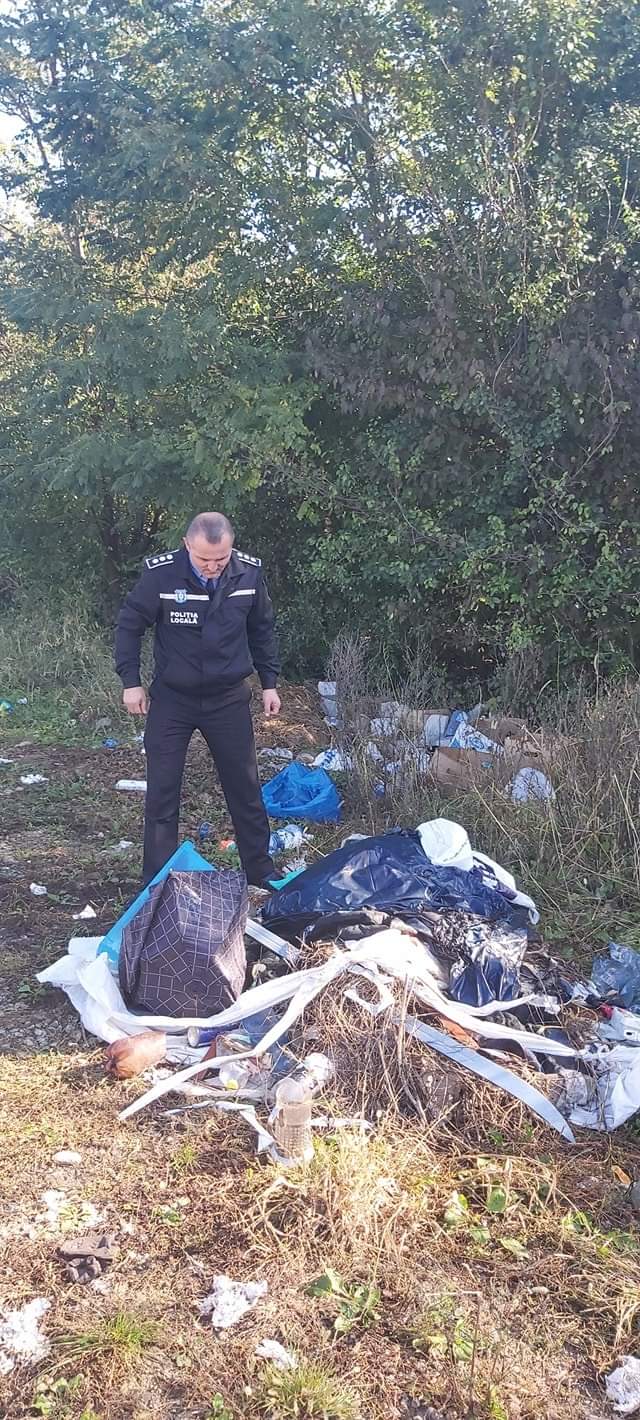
[182,564]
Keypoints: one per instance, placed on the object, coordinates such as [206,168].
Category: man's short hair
[211,526]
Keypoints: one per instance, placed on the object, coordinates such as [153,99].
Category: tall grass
[579,856]
[56,655]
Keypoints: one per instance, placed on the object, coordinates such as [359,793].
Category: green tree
[365,272]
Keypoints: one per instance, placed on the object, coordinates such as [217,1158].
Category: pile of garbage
[457,748]
[412,927]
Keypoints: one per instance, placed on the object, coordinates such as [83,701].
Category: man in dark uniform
[213,625]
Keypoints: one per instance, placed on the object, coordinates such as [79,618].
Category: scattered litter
[415,912]
[531,784]
[229,1301]
[333,760]
[86,913]
[205,831]
[5,761]
[55,1202]
[22,700]
[291,1121]
[123,846]
[315,1071]
[403,957]
[618,975]
[605,1097]
[466,737]
[328,692]
[622,1026]
[446,844]
[283,839]
[110,744]
[62,1214]
[272,1351]
[6,708]
[86,1258]
[325,1121]
[272,752]
[67,1156]
[435,728]
[33,779]
[133,1054]
[294,866]
[623,1386]
[38,890]
[135,786]
[20,1337]
[456,719]
[299,792]
[234,1077]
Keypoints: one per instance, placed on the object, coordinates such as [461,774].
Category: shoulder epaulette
[244,557]
[160,559]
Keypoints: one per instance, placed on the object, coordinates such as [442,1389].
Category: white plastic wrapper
[229,1301]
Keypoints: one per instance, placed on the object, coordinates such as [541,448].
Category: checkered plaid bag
[183,953]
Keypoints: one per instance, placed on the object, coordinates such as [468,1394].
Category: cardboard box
[464,769]
[503,728]
[461,768]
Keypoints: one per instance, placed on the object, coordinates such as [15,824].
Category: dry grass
[479,1308]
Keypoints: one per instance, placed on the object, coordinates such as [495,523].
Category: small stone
[67,1156]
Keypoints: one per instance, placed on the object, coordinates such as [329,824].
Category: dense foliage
[364,274]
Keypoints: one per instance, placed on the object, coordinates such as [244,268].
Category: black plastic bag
[183,954]
[389,871]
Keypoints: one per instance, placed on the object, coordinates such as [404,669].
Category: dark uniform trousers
[226,725]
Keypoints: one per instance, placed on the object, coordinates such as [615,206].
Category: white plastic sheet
[228,1301]
[530,784]
[609,1095]
[447,844]
[397,954]
[623,1386]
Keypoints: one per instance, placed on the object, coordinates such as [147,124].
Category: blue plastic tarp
[299,792]
[186,859]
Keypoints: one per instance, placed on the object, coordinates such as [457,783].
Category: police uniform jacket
[205,642]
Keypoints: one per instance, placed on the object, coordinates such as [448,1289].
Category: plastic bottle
[314,1071]
[292,1124]
[234,1077]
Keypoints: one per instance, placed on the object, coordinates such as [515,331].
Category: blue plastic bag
[299,792]
[186,859]
[618,974]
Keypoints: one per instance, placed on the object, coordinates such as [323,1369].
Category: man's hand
[271,702]
[135,700]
